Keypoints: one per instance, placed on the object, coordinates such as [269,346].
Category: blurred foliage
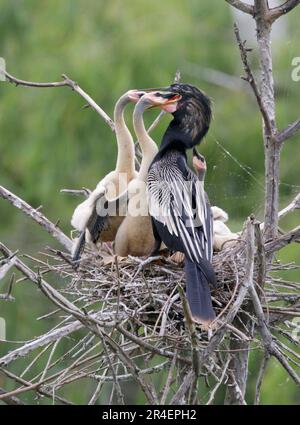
[49,142]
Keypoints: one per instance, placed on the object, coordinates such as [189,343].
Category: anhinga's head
[199,164]
[193,113]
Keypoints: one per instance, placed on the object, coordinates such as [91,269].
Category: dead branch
[11,400]
[66,82]
[279,11]
[288,132]
[251,80]
[294,205]
[283,240]
[243,7]
[37,216]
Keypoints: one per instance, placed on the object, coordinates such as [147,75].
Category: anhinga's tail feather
[198,293]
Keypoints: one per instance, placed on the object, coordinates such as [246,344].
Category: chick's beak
[198,160]
[135,95]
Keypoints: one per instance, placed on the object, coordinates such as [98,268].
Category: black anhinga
[180,211]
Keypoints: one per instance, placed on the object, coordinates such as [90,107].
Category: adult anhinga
[178,206]
[87,218]
[135,236]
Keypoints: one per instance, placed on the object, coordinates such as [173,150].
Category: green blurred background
[48,142]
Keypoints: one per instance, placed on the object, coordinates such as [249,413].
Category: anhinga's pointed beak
[198,155]
[163,100]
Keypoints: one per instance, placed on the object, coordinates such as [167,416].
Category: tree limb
[243,7]
[283,240]
[267,337]
[279,11]
[251,80]
[67,82]
[288,132]
[37,216]
[11,400]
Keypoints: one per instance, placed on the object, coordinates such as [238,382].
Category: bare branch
[219,383]
[37,216]
[284,240]
[29,387]
[279,11]
[260,377]
[267,337]
[294,205]
[11,400]
[67,82]
[77,192]
[243,7]
[251,80]
[179,395]
[288,132]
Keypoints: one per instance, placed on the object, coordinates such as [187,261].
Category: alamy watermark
[2,69]
[296,69]
[139,197]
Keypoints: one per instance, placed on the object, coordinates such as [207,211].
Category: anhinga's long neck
[126,155]
[174,139]
[148,146]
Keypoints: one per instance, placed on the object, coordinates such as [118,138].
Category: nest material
[134,306]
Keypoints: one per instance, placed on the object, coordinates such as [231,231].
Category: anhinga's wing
[177,200]
[103,211]
[99,219]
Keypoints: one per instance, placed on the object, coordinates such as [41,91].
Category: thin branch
[243,7]
[219,383]
[40,342]
[288,132]
[27,386]
[11,400]
[77,192]
[279,11]
[294,205]
[243,290]
[36,216]
[168,381]
[284,240]
[67,82]
[267,337]
[251,80]
[260,377]
[179,395]
[261,257]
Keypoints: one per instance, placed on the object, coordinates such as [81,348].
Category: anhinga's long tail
[198,292]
